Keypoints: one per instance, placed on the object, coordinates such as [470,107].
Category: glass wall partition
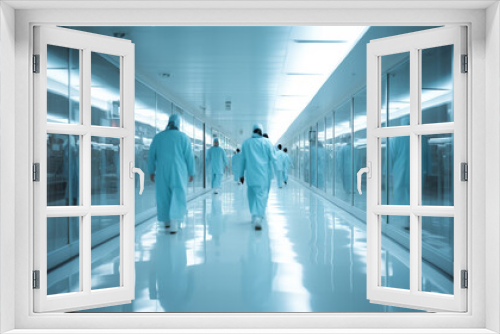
[343,153]
[208,143]
[321,154]
[306,157]
[198,155]
[329,153]
[146,118]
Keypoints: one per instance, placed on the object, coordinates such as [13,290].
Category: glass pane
[395,170]
[198,155]
[437,170]
[105,171]
[105,272]
[321,154]
[343,153]
[63,255]
[437,254]
[395,255]
[360,146]
[329,154]
[307,158]
[208,144]
[105,90]
[163,110]
[395,105]
[437,85]
[145,106]
[314,156]
[63,85]
[63,166]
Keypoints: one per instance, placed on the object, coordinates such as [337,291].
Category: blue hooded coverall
[257,153]
[218,160]
[287,165]
[236,165]
[171,159]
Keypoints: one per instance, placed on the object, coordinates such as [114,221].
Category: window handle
[368,171]
[139,171]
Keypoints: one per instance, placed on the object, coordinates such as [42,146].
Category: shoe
[167,225]
[286,183]
[173,226]
[215,192]
[258,222]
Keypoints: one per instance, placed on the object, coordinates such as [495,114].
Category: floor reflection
[309,257]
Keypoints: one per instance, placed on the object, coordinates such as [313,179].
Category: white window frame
[474,16]
[85,44]
[412,44]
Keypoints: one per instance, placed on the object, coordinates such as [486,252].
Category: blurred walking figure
[171,165]
[287,165]
[257,154]
[216,158]
[235,165]
[270,165]
[280,166]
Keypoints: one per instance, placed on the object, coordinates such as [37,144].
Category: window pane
[198,155]
[306,158]
[329,146]
[63,255]
[437,85]
[360,146]
[63,85]
[395,107]
[63,166]
[437,254]
[105,171]
[395,170]
[395,255]
[145,106]
[437,170]
[208,144]
[163,110]
[321,152]
[343,153]
[105,90]
[105,272]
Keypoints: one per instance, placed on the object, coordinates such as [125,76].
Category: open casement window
[83,170]
[416,155]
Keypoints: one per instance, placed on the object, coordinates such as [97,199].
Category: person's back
[217,159]
[236,165]
[171,149]
[171,166]
[257,155]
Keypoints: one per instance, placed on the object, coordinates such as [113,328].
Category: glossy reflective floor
[309,257]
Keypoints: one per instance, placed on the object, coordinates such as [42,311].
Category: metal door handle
[139,171]
[368,171]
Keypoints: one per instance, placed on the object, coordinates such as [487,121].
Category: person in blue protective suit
[216,158]
[171,165]
[280,166]
[257,154]
[235,165]
[288,163]
[270,165]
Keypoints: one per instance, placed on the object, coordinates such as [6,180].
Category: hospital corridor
[252,170]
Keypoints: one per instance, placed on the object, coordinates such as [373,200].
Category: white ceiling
[268,73]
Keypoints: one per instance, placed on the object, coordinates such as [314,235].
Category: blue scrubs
[258,154]
[171,159]
[236,165]
[216,157]
[288,164]
[280,167]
